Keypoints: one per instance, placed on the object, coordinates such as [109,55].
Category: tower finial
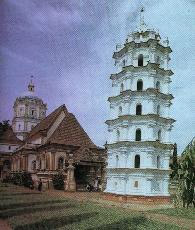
[31,87]
[142,16]
[142,25]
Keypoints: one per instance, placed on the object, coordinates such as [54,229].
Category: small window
[159,135]
[158,162]
[122,87]
[137,161]
[158,85]
[139,85]
[139,109]
[117,160]
[138,135]
[136,184]
[120,110]
[9,148]
[118,135]
[158,60]
[124,62]
[60,163]
[140,60]
[158,110]
[19,127]
[32,112]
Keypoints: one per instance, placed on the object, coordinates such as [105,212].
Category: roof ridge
[48,121]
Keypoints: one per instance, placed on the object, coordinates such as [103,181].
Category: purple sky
[67,46]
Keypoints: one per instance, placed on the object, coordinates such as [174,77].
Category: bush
[23,179]
[58,181]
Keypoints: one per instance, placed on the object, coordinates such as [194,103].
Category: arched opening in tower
[140,60]
[139,109]
[139,85]
[137,161]
[138,135]
[158,85]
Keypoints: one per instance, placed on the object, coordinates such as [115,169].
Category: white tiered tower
[139,126]
[29,110]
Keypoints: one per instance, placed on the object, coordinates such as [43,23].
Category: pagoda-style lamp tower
[139,126]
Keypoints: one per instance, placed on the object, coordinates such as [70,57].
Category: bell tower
[29,110]
[139,125]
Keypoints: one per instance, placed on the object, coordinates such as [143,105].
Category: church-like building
[47,145]
[139,127]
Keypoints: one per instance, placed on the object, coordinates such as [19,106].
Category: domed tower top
[29,110]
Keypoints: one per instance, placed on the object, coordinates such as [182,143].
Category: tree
[4,125]
[186,177]
[174,164]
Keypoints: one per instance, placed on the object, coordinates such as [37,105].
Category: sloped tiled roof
[70,132]
[9,137]
[46,123]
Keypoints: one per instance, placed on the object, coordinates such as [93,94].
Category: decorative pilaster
[70,183]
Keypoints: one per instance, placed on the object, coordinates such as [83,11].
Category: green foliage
[177,212]
[186,179]
[23,179]
[58,181]
[174,164]
[4,125]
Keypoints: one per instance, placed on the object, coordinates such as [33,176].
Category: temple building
[29,110]
[139,126]
[59,144]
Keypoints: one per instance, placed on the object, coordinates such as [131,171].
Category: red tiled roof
[9,137]
[46,123]
[70,132]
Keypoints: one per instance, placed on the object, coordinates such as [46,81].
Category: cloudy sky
[67,46]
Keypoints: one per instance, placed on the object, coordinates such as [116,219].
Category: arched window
[118,135]
[19,127]
[139,85]
[137,161]
[158,162]
[122,87]
[33,165]
[158,109]
[158,60]
[139,109]
[159,135]
[117,160]
[60,163]
[120,110]
[140,60]
[138,135]
[158,85]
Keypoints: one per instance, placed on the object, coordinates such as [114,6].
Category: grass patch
[136,223]
[177,212]
[29,204]
[53,223]
[31,210]
[21,194]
